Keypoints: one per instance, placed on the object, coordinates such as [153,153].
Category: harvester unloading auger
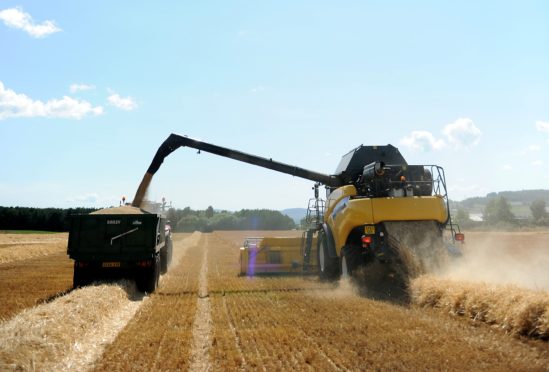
[379,210]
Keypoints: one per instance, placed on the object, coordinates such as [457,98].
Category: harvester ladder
[313,222]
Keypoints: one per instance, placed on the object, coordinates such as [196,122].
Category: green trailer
[123,241]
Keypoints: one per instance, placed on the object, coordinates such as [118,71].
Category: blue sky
[89,90]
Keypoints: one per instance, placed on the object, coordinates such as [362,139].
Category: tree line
[45,219]
[497,213]
[184,220]
[187,220]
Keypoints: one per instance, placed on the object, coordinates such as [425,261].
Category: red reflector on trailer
[366,239]
[460,237]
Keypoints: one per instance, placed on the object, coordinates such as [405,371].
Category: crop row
[160,334]
[261,323]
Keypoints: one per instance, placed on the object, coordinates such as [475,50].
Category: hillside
[295,214]
[520,201]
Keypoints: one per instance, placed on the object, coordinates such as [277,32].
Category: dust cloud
[501,279]
[521,259]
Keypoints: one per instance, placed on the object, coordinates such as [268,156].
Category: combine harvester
[380,212]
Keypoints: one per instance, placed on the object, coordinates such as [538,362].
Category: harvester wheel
[345,273]
[328,267]
[350,256]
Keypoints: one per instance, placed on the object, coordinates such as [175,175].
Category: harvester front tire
[328,267]
[351,255]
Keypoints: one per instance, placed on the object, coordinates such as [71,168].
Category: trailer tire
[170,249]
[328,267]
[164,259]
[81,276]
[147,280]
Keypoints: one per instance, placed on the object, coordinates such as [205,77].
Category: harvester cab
[379,209]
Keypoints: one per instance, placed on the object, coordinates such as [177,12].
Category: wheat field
[204,316]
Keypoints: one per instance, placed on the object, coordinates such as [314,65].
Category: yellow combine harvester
[379,210]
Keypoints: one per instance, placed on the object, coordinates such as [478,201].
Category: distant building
[476,217]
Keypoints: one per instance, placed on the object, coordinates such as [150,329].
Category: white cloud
[80,87]
[17,18]
[422,141]
[462,133]
[534,148]
[537,163]
[13,105]
[506,167]
[257,89]
[462,191]
[124,103]
[542,126]
[92,200]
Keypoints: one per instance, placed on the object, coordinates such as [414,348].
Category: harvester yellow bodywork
[272,255]
[344,212]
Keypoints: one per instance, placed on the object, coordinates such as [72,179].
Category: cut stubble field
[206,317]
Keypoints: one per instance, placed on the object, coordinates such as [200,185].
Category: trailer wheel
[164,259]
[170,249]
[328,267]
[81,276]
[147,280]
[166,254]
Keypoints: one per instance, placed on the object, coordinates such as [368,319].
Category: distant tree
[172,215]
[498,210]
[224,221]
[192,223]
[48,219]
[462,217]
[303,223]
[209,212]
[538,210]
